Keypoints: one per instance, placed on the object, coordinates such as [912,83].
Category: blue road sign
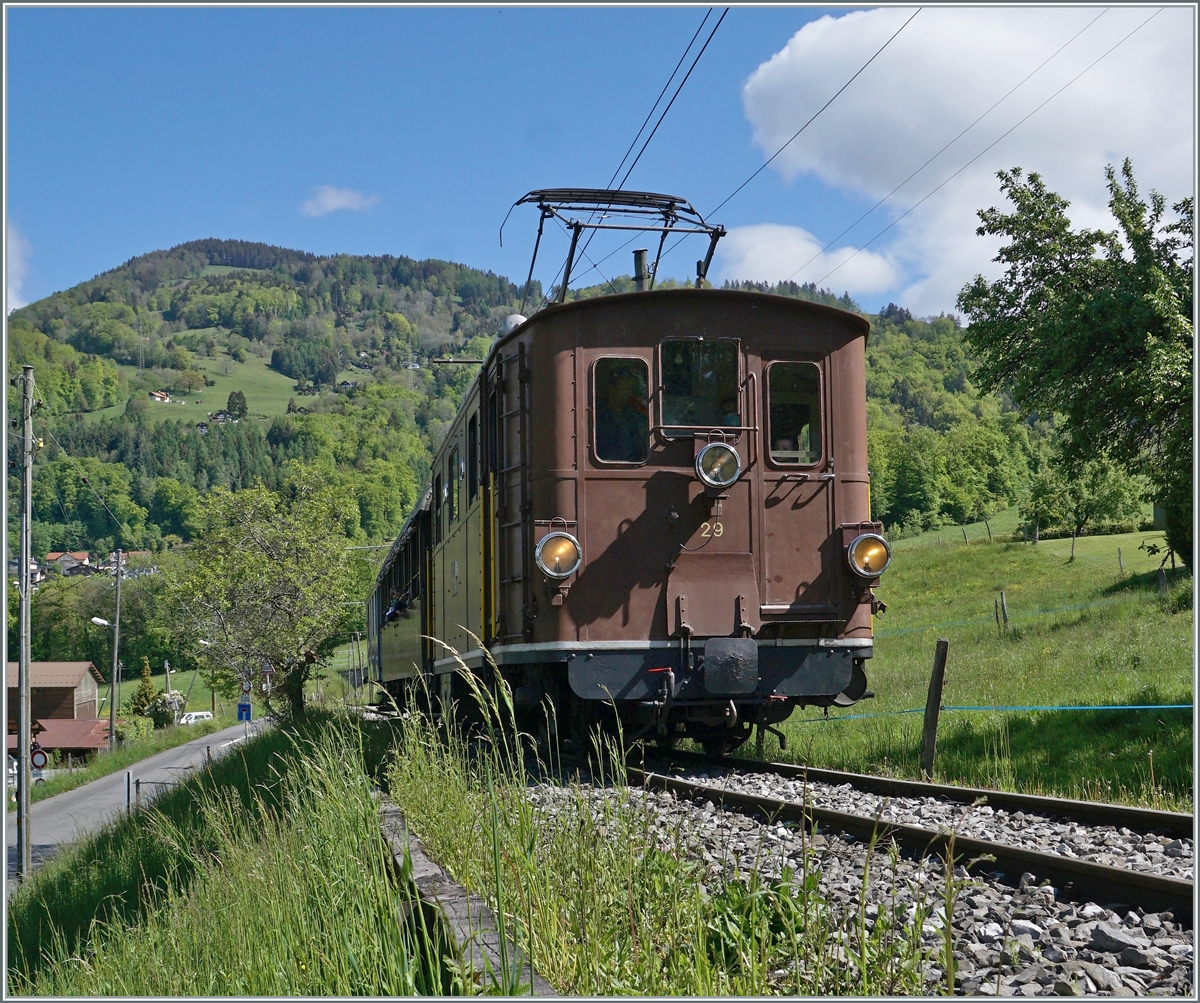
[243,712]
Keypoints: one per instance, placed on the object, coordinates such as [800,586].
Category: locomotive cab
[655,505]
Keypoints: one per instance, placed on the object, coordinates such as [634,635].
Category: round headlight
[558,555]
[718,465]
[869,555]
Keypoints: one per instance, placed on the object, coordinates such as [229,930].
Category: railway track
[1075,878]
[1168,823]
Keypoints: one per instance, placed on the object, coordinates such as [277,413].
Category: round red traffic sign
[246,686]
[39,759]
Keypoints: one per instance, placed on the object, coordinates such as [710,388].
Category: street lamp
[112,684]
[212,693]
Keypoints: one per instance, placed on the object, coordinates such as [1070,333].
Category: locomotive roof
[600,302]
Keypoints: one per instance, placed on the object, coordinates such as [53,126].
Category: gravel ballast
[1011,936]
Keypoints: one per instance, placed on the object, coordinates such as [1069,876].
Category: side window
[621,411]
[493,429]
[794,412]
[472,458]
[452,486]
[700,383]
[437,509]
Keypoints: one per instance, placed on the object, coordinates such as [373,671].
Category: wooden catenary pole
[933,704]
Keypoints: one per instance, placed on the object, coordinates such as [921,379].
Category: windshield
[700,383]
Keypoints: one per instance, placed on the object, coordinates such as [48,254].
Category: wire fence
[1006,708]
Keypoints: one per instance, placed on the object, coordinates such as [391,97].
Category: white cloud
[327,199]
[16,263]
[769,252]
[942,72]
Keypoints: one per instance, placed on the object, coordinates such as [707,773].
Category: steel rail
[1142,820]
[1074,878]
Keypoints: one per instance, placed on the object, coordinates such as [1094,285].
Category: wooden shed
[57,691]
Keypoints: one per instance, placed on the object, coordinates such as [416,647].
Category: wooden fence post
[998,627]
[989,529]
[1004,609]
[1120,562]
[933,704]
[965,540]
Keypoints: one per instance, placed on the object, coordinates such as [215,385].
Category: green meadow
[1081,632]
[267,392]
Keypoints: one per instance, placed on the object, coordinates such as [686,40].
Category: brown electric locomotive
[653,504]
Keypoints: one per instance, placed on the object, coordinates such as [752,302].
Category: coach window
[452,486]
[472,458]
[622,410]
[794,412]
[437,509]
[700,383]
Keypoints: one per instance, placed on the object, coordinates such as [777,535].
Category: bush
[135,729]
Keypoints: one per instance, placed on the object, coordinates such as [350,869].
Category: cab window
[700,384]
[794,412]
[622,410]
[452,476]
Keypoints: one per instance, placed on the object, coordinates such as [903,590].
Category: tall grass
[604,901]
[278,885]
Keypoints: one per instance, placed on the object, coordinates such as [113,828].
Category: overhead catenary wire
[641,129]
[990,145]
[797,133]
[994,106]
[673,97]
[661,118]
[817,113]
[654,107]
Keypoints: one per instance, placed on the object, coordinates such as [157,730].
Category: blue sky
[412,131]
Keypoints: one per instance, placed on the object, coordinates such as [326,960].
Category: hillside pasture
[1080,633]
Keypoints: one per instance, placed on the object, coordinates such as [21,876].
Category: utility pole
[114,696]
[24,725]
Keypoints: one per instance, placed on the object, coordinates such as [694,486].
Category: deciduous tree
[1097,328]
[267,584]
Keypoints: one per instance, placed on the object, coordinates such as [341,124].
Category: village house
[161,396]
[68,560]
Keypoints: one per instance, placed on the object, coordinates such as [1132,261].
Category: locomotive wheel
[724,743]
[856,690]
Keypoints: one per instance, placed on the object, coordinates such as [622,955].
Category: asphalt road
[60,820]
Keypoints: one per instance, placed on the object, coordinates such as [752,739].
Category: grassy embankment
[265,875]
[262,875]
[1079,633]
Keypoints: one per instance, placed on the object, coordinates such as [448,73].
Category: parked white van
[195,716]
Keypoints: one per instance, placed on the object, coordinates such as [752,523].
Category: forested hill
[325,360]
